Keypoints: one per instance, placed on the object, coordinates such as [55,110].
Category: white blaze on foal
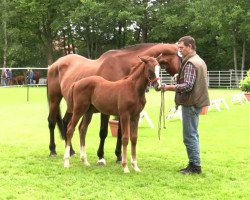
[157,74]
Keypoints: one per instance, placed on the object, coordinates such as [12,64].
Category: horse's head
[170,57]
[152,71]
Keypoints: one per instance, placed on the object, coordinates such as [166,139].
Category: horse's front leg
[82,133]
[125,126]
[102,134]
[133,140]
[66,120]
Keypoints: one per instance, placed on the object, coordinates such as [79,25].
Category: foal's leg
[102,134]
[70,131]
[125,137]
[66,120]
[133,140]
[82,133]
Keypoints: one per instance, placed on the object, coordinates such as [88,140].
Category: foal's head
[152,70]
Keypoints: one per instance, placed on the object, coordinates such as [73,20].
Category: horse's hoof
[118,162]
[53,154]
[72,153]
[101,162]
[118,158]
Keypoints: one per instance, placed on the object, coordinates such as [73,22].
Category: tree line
[37,32]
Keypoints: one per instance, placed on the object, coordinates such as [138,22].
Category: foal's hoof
[86,163]
[135,166]
[137,169]
[66,164]
[101,162]
[126,170]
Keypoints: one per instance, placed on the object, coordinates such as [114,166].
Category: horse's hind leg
[52,145]
[82,134]
[53,112]
[66,120]
[118,149]
[102,134]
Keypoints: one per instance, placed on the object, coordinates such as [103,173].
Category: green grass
[26,171]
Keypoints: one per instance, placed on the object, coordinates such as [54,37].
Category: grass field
[26,171]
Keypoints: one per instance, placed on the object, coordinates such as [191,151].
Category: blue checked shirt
[189,79]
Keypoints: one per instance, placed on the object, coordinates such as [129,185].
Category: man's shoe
[191,169]
[186,168]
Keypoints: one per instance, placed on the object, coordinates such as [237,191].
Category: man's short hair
[187,40]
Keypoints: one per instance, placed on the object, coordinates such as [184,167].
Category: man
[31,76]
[192,94]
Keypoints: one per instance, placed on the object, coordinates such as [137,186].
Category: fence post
[28,92]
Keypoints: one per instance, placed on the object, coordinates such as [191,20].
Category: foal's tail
[70,102]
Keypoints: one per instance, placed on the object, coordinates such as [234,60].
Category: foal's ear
[159,57]
[143,58]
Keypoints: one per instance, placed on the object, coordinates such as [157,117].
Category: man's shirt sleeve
[189,79]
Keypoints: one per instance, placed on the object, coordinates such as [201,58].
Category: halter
[154,80]
[157,67]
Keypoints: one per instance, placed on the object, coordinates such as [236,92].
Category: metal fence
[216,79]
[20,76]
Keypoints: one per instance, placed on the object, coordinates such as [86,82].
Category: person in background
[3,77]
[191,92]
[8,76]
[31,76]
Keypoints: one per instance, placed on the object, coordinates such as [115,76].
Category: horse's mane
[131,48]
[138,46]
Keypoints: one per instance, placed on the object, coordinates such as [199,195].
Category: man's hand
[166,87]
[163,86]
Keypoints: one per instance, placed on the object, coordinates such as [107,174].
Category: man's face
[184,50]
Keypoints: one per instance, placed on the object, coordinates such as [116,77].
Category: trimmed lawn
[27,172]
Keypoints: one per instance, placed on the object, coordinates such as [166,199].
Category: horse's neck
[138,76]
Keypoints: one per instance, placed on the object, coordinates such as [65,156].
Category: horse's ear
[143,59]
[159,57]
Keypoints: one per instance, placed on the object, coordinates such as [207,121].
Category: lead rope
[162,115]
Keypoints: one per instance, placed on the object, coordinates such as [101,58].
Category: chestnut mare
[18,80]
[112,65]
[124,98]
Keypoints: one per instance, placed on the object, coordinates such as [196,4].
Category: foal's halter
[154,79]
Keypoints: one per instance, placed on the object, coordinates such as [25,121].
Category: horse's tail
[59,120]
[60,124]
